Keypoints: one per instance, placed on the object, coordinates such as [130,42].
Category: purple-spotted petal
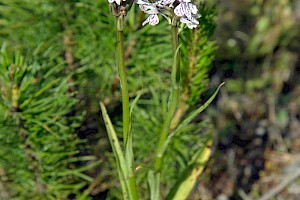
[191,23]
[179,10]
[165,2]
[193,8]
[187,10]
[152,20]
[149,9]
[183,9]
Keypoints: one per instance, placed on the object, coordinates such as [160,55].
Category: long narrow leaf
[118,153]
[153,182]
[187,180]
[192,115]
[129,157]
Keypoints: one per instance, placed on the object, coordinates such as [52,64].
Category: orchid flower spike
[184,11]
[188,13]
[149,8]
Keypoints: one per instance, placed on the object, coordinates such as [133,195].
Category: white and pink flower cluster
[185,10]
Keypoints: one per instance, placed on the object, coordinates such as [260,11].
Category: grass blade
[187,180]
[154,184]
[118,153]
[193,114]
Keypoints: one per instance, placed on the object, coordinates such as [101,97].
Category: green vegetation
[60,58]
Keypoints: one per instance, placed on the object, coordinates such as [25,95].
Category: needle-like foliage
[70,65]
[39,148]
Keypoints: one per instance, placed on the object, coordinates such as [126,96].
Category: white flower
[117,1]
[143,2]
[148,8]
[188,13]
[191,23]
[152,20]
[151,9]
[166,2]
[185,9]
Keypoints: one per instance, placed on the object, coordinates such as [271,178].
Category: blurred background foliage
[58,61]
[257,114]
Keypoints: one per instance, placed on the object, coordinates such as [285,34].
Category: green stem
[124,88]
[133,193]
[174,101]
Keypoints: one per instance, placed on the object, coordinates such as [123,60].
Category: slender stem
[124,88]
[133,193]
[176,61]
[174,101]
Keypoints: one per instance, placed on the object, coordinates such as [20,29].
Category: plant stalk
[173,100]
[133,193]
[124,88]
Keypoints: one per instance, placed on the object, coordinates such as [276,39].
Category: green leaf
[182,126]
[187,180]
[194,113]
[129,157]
[154,181]
[118,153]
